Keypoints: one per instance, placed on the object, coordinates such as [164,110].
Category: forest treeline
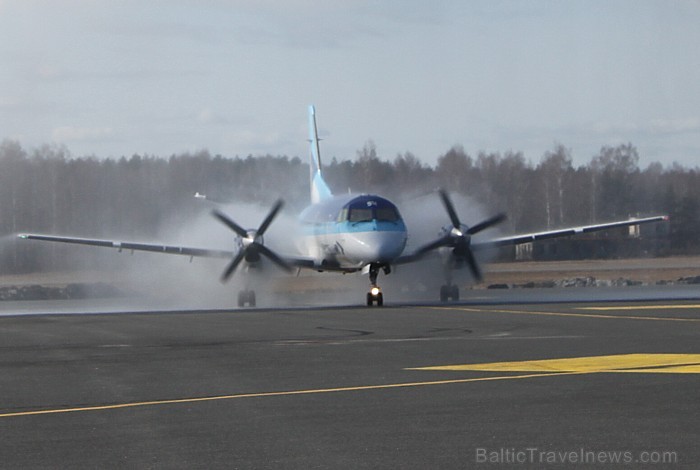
[47,190]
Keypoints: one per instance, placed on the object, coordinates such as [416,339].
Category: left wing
[565,232]
[448,239]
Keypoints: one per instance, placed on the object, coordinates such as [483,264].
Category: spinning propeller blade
[270,216]
[253,245]
[447,202]
[458,238]
[274,257]
[232,266]
[240,231]
[474,266]
[495,220]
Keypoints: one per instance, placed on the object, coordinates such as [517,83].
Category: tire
[454,293]
[251,298]
[380,299]
[370,300]
[444,293]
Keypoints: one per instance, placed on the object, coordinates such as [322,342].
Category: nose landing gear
[375,293]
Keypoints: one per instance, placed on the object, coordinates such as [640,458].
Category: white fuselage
[350,232]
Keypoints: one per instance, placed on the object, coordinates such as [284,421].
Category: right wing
[154,248]
[298,262]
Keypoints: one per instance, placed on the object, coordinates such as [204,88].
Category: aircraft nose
[379,245]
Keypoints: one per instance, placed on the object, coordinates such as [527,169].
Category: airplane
[350,233]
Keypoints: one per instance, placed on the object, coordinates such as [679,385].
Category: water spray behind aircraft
[347,234]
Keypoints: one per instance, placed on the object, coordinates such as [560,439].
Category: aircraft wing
[166,249]
[306,263]
[564,232]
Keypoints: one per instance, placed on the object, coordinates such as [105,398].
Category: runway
[475,384]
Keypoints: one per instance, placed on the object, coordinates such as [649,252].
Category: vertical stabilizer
[319,188]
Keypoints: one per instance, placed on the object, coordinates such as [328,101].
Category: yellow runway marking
[643,307]
[564,314]
[641,363]
[625,363]
[276,394]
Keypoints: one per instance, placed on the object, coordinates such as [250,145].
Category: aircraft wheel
[376,296]
[444,293]
[454,293]
[246,297]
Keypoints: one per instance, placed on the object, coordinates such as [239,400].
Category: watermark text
[581,456]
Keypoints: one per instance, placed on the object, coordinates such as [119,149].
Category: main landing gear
[449,291]
[375,293]
[246,297]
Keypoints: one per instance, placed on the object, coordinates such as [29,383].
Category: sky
[117,78]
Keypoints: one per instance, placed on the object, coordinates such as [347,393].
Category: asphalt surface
[339,387]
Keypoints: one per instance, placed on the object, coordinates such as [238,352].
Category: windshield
[367,209]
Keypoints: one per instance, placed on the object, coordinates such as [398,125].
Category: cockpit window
[360,214]
[365,210]
[389,214]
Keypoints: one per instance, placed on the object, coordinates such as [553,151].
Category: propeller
[458,237]
[252,245]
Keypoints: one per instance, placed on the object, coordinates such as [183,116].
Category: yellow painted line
[563,314]
[625,363]
[648,363]
[643,307]
[687,369]
[277,394]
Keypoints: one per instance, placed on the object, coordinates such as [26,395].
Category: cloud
[48,72]
[9,102]
[250,138]
[81,134]
[325,25]
[656,127]
[209,116]
[246,142]
[675,126]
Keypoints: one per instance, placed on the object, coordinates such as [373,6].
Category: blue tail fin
[319,188]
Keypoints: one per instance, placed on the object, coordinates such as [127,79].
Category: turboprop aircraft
[349,233]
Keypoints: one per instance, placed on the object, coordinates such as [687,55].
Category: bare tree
[554,171]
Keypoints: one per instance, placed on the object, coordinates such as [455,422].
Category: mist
[149,199]
[159,282]
[173,282]
[425,216]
